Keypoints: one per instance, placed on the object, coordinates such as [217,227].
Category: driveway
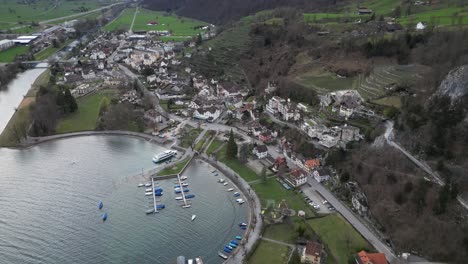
[309,192]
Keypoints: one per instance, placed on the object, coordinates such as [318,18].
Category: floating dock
[186,205]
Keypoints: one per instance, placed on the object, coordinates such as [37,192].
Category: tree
[397,11]
[244,153]
[344,177]
[199,39]
[300,231]
[231,150]
[70,102]
[263,175]
[103,105]
[295,258]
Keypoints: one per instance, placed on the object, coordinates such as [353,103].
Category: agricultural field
[122,22]
[10,54]
[324,82]
[13,12]
[442,17]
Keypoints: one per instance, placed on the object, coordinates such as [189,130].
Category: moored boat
[232,245]
[148,184]
[164,155]
[178,198]
[141,185]
[242,224]
[235,242]
[148,193]
[225,183]
[188,196]
[193,217]
[240,201]
[238,237]
[186,206]
[222,255]
[243,227]
[227,250]
[104,216]
[149,211]
[183,178]
[236,194]
[221,180]
[160,206]
[148,189]
[100,205]
[230,189]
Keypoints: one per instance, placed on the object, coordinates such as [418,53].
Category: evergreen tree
[70,102]
[231,150]
[263,175]
[199,39]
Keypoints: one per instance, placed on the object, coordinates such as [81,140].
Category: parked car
[324,201]
[316,207]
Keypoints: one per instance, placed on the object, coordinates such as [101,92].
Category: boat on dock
[148,184]
[221,180]
[186,206]
[188,196]
[236,194]
[198,260]
[100,205]
[238,237]
[216,174]
[104,216]
[240,201]
[141,185]
[222,255]
[160,206]
[242,224]
[148,189]
[193,217]
[235,242]
[232,245]
[225,183]
[213,171]
[243,227]
[148,193]
[178,198]
[183,178]
[227,250]
[230,189]
[149,211]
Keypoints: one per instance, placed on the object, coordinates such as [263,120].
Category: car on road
[324,201]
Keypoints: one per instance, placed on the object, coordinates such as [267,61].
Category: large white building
[6,43]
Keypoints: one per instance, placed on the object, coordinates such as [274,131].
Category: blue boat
[235,242]
[177,191]
[189,196]
[104,216]
[160,206]
[100,205]
[213,171]
[158,194]
[227,250]
[242,224]
[243,227]
[236,194]
[158,189]
[186,190]
[238,237]
[232,245]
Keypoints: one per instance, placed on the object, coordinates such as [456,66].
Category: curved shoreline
[33,141]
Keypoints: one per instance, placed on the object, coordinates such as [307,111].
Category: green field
[10,54]
[13,11]
[245,172]
[340,237]
[122,22]
[394,101]
[271,253]
[440,17]
[180,27]
[325,82]
[213,146]
[174,168]
[85,118]
[47,52]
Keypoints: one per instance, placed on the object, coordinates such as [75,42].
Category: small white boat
[150,211]
[141,185]
[148,193]
[149,190]
[178,198]
[230,189]
[240,201]
[221,180]
[148,185]
[183,178]
[225,183]
[186,206]
[193,217]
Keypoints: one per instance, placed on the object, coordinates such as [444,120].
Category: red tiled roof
[313,248]
[312,163]
[372,258]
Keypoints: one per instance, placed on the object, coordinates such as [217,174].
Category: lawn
[214,146]
[271,253]
[40,10]
[86,116]
[47,52]
[394,101]
[187,137]
[122,22]
[325,82]
[175,168]
[10,54]
[340,237]
[441,17]
[245,172]
[21,118]
[281,232]
[273,191]
[179,26]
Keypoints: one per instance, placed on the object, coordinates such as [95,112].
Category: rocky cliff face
[455,84]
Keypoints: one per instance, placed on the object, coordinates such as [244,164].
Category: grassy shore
[10,54]
[271,253]
[175,168]
[85,118]
[213,146]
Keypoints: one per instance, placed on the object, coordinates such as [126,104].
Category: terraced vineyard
[383,78]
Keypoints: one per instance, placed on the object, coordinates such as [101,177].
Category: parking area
[315,200]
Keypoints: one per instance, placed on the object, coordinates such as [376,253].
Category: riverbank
[20,121]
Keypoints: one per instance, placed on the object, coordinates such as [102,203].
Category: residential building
[210,114]
[6,43]
[370,258]
[265,137]
[312,253]
[274,103]
[261,151]
[321,175]
[296,178]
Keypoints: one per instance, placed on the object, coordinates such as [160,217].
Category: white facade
[6,43]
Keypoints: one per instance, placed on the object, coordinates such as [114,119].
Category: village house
[289,111]
[350,133]
[273,104]
[296,178]
[312,253]
[359,202]
[370,258]
[280,163]
[261,151]
[209,114]
[321,174]
[265,137]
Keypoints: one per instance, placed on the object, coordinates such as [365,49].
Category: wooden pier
[154,197]
[186,205]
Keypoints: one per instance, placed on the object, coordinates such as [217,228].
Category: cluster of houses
[288,111]
[330,137]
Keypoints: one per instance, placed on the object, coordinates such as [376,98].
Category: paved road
[79,14]
[421,164]
[354,221]
[133,21]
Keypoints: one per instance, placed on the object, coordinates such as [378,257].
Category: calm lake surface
[13,94]
[49,196]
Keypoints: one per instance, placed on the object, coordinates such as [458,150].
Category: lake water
[49,196]
[12,96]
